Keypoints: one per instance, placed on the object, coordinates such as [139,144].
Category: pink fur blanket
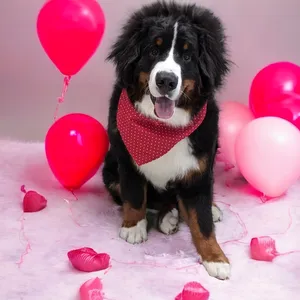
[33,247]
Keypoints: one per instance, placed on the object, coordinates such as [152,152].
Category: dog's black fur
[206,64]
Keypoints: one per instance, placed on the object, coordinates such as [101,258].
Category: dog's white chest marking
[174,164]
[178,161]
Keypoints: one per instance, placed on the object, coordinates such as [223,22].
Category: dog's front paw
[136,234]
[169,224]
[220,270]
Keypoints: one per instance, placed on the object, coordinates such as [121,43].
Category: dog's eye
[154,52]
[186,57]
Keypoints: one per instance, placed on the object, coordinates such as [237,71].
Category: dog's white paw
[136,234]
[169,223]
[220,270]
[217,214]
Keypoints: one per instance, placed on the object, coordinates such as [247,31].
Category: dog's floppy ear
[213,61]
[126,51]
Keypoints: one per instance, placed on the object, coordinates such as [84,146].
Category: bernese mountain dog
[170,61]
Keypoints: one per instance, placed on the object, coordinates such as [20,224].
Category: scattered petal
[91,290]
[193,291]
[88,260]
[263,248]
[33,201]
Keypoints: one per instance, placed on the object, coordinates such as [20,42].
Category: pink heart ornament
[91,290]
[193,291]
[263,248]
[33,202]
[88,260]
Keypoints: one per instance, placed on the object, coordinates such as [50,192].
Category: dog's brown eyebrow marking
[186,46]
[143,77]
[159,41]
[188,85]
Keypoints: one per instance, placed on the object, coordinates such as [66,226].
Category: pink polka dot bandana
[147,139]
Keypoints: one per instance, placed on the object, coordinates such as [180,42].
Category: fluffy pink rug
[156,270]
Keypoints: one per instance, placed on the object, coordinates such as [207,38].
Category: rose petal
[33,202]
[88,260]
[263,248]
[91,290]
[193,291]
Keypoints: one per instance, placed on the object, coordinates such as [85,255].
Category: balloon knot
[23,189]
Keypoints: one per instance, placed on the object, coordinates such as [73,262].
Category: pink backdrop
[260,32]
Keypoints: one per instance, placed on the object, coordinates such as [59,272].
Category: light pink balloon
[234,116]
[268,155]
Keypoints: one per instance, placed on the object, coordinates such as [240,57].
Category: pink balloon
[275,91]
[268,155]
[70,32]
[234,116]
[76,145]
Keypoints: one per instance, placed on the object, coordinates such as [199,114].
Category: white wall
[260,32]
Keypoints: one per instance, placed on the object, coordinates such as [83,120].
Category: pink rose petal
[33,202]
[91,290]
[88,260]
[193,291]
[263,248]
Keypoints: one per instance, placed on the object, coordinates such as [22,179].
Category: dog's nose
[166,82]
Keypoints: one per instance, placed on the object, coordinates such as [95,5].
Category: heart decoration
[263,248]
[88,260]
[193,291]
[91,290]
[33,201]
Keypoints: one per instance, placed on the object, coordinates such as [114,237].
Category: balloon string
[287,253]
[154,265]
[72,215]
[264,198]
[241,222]
[25,238]
[76,198]
[288,227]
[63,94]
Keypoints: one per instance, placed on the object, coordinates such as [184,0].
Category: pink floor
[156,270]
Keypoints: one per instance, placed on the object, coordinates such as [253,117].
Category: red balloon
[275,91]
[70,32]
[76,145]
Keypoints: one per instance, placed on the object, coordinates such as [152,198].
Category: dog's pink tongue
[164,107]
